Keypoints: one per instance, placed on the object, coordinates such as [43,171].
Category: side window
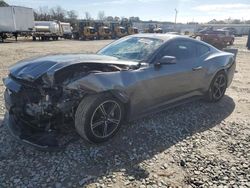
[202,49]
[181,50]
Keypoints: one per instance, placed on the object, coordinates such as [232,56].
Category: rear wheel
[99,117]
[217,87]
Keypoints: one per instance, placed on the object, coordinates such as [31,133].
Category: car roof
[168,36]
[164,36]
[161,36]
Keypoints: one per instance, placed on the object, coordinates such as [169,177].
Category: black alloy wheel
[218,87]
[105,119]
[99,117]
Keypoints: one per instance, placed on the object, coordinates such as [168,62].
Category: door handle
[197,68]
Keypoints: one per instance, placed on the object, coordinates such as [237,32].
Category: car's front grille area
[28,93]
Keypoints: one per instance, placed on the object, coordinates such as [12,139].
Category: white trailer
[16,20]
[46,30]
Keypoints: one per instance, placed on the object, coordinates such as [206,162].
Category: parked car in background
[224,35]
[232,31]
[130,78]
[205,30]
[218,38]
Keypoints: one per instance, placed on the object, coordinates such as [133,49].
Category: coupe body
[130,78]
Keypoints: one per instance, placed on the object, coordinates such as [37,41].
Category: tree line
[60,14]
[71,16]
[55,13]
[229,21]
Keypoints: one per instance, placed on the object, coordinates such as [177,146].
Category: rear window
[181,50]
[202,49]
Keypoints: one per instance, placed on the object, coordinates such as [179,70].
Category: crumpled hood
[31,69]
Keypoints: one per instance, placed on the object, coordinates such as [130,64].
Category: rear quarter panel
[219,61]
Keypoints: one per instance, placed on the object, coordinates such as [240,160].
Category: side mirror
[165,60]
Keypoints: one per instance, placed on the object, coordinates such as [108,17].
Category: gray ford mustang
[129,78]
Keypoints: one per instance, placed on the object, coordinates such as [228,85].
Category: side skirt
[166,107]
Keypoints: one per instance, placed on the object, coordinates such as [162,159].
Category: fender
[98,82]
[221,62]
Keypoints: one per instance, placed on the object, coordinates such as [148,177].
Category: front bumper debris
[39,139]
[42,140]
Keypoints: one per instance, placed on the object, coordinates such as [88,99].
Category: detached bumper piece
[41,140]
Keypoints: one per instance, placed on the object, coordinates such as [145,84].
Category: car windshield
[132,48]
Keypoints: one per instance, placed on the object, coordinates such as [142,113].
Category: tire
[90,121]
[217,87]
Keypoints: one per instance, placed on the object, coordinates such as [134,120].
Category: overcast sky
[162,10]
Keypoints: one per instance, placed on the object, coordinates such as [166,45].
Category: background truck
[153,29]
[132,30]
[129,27]
[103,31]
[66,29]
[85,30]
[117,30]
[46,30]
[15,21]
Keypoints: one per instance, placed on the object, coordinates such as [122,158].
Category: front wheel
[217,87]
[99,117]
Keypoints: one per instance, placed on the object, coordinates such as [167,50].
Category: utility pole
[175,21]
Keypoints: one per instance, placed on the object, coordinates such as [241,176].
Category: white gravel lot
[194,145]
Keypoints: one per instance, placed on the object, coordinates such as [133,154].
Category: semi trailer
[15,20]
[46,30]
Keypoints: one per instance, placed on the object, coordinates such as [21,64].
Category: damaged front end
[39,109]
[36,113]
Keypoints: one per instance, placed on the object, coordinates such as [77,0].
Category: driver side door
[168,83]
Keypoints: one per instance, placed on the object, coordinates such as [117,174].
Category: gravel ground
[195,145]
